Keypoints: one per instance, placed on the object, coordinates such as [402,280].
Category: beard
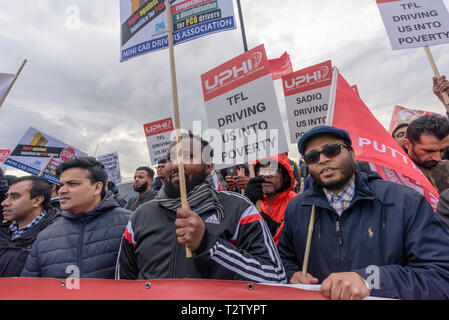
[172,189]
[141,188]
[347,170]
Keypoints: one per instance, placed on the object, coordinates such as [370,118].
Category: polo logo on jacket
[370,232]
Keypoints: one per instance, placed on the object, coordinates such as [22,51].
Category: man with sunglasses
[370,237]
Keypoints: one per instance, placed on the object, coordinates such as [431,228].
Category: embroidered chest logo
[370,232]
[213,218]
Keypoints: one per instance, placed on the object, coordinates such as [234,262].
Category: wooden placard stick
[309,241]
[437,74]
[14,81]
[177,123]
[45,167]
[252,173]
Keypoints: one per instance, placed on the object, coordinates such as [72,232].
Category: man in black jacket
[143,179]
[84,243]
[228,237]
[27,210]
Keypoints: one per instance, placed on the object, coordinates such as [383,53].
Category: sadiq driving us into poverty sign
[412,24]
[241,104]
[143,23]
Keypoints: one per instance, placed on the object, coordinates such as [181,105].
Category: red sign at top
[158,127]
[241,70]
[310,78]
[4,153]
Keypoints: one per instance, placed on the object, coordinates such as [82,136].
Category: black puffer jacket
[89,241]
[14,252]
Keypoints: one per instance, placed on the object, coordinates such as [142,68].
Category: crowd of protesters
[371,237]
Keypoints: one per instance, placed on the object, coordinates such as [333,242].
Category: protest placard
[34,150]
[281,66]
[158,135]
[241,105]
[3,155]
[111,163]
[412,24]
[143,26]
[306,94]
[404,115]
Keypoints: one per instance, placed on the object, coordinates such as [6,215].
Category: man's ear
[407,144]
[38,200]
[98,186]
[209,167]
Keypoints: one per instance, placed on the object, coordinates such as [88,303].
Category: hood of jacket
[276,208]
[108,203]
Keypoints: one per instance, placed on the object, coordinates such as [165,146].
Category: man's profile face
[428,151]
[18,203]
[331,173]
[399,135]
[195,169]
[77,193]
[160,169]
[141,181]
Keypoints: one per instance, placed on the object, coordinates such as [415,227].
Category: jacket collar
[315,194]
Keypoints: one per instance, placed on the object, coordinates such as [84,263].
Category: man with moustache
[273,186]
[426,141]
[143,178]
[84,243]
[224,231]
[370,237]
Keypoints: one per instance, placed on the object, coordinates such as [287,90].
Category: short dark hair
[95,169]
[149,171]
[399,126]
[430,124]
[162,161]
[39,187]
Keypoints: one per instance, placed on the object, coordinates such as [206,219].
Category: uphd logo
[236,71]
[155,128]
[301,80]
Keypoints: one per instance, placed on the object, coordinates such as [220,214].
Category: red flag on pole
[281,66]
[372,142]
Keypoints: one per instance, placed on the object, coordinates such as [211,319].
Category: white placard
[111,163]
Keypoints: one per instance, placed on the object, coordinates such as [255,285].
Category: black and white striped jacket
[239,247]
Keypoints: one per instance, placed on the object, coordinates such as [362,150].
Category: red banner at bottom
[167,289]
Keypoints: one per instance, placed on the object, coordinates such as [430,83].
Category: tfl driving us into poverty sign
[412,24]
[158,134]
[143,23]
[241,104]
[307,94]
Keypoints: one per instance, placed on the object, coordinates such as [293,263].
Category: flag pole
[437,74]
[45,167]
[12,83]
[242,26]
[182,183]
[309,241]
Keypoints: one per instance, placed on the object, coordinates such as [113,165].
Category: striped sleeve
[250,253]
[126,267]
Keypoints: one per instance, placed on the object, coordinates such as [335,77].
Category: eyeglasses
[330,151]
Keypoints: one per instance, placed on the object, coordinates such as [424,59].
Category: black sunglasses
[330,151]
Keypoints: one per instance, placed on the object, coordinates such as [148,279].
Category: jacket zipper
[80,245]
[337,228]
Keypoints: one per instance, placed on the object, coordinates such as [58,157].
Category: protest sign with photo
[158,134]
[112,165]
[371,141]
[34,150]
[241,105]
[306,94]
[404,115]
[143,23]
[412,24]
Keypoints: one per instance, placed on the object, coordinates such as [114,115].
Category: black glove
[253,189]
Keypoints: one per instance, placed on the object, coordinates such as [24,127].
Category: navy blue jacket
[89,241]
[387,225]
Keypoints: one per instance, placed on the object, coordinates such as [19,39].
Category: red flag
[281,66]
[403,115]
[372,142]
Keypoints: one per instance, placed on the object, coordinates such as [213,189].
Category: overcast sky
[75,89]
